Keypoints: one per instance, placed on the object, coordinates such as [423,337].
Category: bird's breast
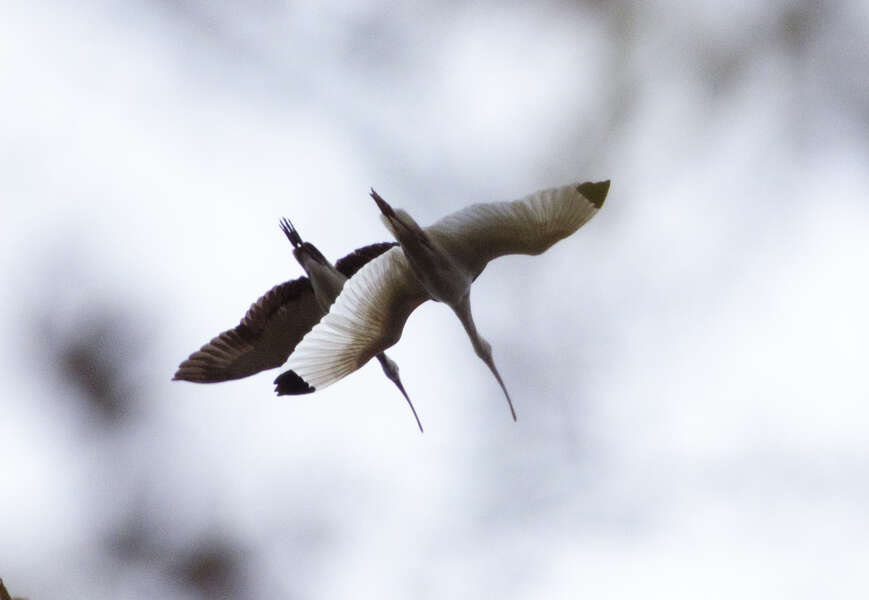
[439,275]
[327,283]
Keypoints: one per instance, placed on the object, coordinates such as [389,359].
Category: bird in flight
[439,262]
[275,323]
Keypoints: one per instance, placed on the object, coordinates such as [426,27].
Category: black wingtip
[290,384]
[290,232]
[595,191]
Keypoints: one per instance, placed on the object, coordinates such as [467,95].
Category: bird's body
[276,323]
[439,262]
[325,279]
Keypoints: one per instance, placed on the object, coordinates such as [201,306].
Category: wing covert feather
[366,319]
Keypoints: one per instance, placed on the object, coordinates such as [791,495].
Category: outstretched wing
[482,232]
[264,339]
[366,319]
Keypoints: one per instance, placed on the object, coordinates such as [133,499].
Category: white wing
[366,319]
[482,232]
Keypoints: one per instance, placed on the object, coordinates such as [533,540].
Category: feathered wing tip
[290,232]
[595,192]
[290,384]
[214,362]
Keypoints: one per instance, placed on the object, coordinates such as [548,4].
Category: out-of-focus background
[689,369]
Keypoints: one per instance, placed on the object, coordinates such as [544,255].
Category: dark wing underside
[354,261]
[264,339]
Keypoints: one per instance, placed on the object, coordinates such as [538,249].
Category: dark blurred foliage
[97,352]
[94,354]
[208,566]
[213,568]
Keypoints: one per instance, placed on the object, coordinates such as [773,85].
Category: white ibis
[438,263]
[275,323]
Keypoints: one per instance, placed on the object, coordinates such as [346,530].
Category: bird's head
[290,232]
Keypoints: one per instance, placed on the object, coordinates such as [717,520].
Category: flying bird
[275,323]
[439,262]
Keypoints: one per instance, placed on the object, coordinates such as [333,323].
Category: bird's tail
[290,232]
[400,224]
